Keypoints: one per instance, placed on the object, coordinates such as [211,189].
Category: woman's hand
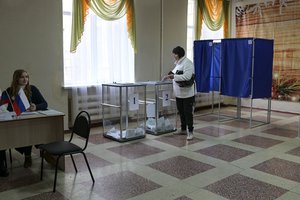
[32,107]
[168,77]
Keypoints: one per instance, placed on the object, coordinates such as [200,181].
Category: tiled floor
[226,160]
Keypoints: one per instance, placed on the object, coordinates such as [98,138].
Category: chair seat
[61,147]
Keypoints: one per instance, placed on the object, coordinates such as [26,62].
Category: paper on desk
[50,112]
[29,113]
[7,115]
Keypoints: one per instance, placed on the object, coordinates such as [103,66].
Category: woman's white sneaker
[190,136]
[180,132]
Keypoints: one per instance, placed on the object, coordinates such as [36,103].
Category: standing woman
[35,98]
[184,90]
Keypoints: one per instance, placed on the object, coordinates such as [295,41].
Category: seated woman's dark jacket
[36,98]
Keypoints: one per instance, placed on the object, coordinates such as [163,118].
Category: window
[206,33]
[191,28]
[104,55]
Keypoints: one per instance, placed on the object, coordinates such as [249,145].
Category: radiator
[207,99]
[86,98]
[89,99]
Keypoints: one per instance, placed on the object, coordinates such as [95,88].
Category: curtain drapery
[94,62]
[103,51]
[79,13]
[106,9]
[214,13]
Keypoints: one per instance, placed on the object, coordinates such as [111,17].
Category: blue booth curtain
[215,74]
[263,67]
[236,63]
[203,51]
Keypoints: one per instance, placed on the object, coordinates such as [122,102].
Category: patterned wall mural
[278,20]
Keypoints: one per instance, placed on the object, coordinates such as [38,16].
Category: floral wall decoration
[278,20]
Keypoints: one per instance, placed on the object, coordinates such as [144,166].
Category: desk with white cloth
[31,128]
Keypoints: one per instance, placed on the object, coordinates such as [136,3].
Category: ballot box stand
[124,111]
[161,111]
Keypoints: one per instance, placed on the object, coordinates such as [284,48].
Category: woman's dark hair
[179,51]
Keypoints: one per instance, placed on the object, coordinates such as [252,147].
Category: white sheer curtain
[104,55]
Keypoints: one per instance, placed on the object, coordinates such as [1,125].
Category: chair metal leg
[55,178]
[87,163]
[73,162]
[42,164]
[10,157]
[5,160]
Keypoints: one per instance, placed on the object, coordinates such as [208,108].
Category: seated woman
[36,100]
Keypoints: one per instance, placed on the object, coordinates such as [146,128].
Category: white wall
[161,25]
[31,38]
[174,30]
[147,58]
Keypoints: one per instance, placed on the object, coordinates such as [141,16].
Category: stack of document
[7,115]
[50,112]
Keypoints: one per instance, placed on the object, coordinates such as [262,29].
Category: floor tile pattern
[263,118]
[258,141]
[228,113]
[295,151]
[240,123]
[183,198]
[282,114]
[180,167]
[293,126]
[225,160]
[98,139]
[177,140]
[282,132]
[239,187]
[224,152]
[47,195]
[94,161]
[282,168]
[135,150]
[20,178]
[210,118]
[213,131]
[123,185]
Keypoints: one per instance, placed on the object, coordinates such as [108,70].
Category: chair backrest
[82,126]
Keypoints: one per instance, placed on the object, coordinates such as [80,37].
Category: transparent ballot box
[124,111]
[161,111]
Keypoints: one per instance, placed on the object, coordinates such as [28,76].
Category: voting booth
[236,67]
[207,70]
[124,111]
[207,61]
[161,110]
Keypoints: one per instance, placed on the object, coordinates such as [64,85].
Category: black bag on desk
[187,83]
